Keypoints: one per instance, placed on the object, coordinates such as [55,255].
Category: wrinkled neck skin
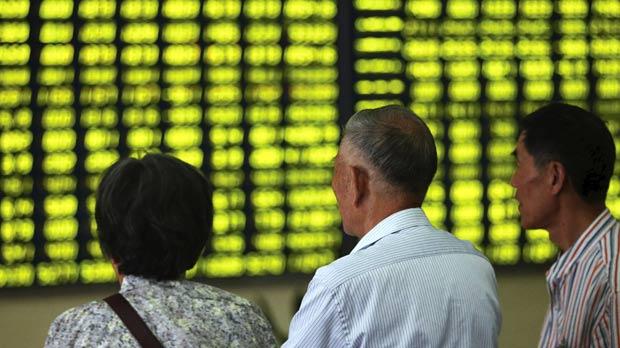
[573,217]
[383,202]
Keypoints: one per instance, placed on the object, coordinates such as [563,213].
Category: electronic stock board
[255,94]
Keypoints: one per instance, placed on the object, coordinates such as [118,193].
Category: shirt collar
[131,282]
[588,238]
[396,222]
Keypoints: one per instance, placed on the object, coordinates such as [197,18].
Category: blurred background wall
[25,315]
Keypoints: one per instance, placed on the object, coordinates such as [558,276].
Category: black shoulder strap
[132,321]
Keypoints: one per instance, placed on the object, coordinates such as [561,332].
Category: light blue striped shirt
[405,284]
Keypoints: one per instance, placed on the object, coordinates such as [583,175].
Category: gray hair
[398,144]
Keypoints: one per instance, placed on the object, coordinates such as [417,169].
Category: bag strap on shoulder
[133,321]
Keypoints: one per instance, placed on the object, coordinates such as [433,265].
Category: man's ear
[557,176]
[360,184]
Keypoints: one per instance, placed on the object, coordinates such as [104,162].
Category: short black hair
[153,215]
[398,143]
[577,139]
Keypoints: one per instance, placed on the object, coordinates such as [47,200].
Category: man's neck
[379,212]
[572,222]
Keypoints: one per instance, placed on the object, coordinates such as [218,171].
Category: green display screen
[471,69]
[255,94]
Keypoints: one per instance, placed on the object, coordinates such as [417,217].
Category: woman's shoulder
[69,328]
[212,294]
[84,313]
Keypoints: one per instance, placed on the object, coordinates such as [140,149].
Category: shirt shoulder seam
[327,282]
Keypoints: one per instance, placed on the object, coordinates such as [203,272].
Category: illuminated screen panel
[17,136]
[264,71]
[98,119]
[471,69]
[221,37]
[311,133]
[245,90]
[256,92]
[57,184]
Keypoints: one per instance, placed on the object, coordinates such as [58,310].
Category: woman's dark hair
[576,138]
[153,215]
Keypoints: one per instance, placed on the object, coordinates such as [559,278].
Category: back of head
[153,215]
[398,143]
[576,138]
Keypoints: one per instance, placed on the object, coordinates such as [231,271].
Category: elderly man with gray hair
[405,284]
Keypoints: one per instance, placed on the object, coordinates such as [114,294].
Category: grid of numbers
[255,93]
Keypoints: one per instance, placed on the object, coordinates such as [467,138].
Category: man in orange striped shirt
[565,160]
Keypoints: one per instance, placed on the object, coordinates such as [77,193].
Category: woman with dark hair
[154,217]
